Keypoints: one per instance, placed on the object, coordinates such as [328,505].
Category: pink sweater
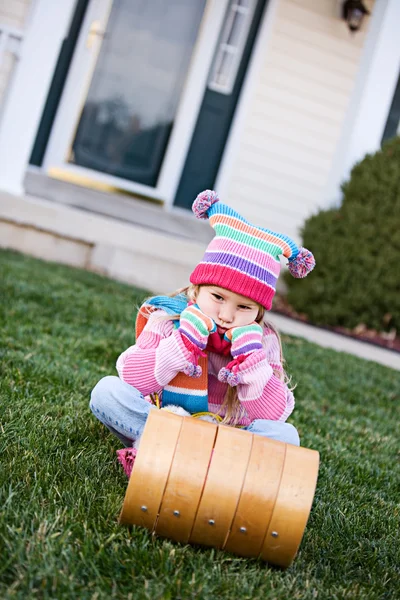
[159,354]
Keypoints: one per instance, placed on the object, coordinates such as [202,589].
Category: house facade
[114,114]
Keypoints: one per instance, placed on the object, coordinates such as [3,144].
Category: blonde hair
[233,409]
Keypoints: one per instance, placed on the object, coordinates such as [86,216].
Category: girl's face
[226,308]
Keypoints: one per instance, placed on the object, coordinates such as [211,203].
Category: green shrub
[357,250]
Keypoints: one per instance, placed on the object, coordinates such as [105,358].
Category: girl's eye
[245,307]
[217,297]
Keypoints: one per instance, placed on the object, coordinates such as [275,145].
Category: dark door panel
[213,124]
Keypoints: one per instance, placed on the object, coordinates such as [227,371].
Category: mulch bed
[389,340]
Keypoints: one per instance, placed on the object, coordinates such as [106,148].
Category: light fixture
[353,12]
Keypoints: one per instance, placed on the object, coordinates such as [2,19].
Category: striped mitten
[195,327]
[245,340]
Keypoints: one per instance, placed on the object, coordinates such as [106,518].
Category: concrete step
[144,256]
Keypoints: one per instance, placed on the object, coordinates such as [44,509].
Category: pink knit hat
[244,258]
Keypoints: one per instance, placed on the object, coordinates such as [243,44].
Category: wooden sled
[199,483]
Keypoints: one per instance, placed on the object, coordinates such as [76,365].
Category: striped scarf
[188,392]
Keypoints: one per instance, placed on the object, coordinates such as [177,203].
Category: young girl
[208,348]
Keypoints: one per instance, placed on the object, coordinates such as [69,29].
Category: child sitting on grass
[208,348]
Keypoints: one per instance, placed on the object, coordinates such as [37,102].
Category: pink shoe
[126,457]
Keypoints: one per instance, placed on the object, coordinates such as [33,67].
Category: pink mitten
[195,327]
[245,340]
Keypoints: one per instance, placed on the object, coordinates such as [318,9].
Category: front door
[133,93]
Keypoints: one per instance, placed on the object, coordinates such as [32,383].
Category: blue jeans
[123,409]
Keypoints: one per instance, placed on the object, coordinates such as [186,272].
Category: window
[137,83]
[231,45]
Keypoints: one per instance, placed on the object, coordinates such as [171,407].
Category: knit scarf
[188,392]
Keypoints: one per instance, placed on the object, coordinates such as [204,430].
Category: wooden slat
[258,497]
[292,507]
[186,479]
[223,486]
[151,469]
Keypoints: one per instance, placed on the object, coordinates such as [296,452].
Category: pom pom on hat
[302,263]
[203,202]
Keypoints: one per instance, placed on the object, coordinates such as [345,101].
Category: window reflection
[133,97]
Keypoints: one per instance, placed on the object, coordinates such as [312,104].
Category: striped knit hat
[244,258]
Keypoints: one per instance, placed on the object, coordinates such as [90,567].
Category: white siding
[13,15]
[294,117]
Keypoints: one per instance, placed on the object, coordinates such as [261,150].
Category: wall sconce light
[353,12]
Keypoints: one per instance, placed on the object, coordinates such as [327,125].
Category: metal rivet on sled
[176,513]
[274,533]
[211,522]
[143,508]
[243,530]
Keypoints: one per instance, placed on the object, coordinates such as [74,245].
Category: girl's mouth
[222,329]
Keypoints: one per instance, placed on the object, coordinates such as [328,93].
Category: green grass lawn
[62,488]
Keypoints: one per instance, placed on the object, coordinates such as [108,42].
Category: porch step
[127,208]
[142,255]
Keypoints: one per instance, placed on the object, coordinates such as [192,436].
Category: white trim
[370,103]
[250,83]
[34,71]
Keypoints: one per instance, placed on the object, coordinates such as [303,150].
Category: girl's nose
[226,316]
